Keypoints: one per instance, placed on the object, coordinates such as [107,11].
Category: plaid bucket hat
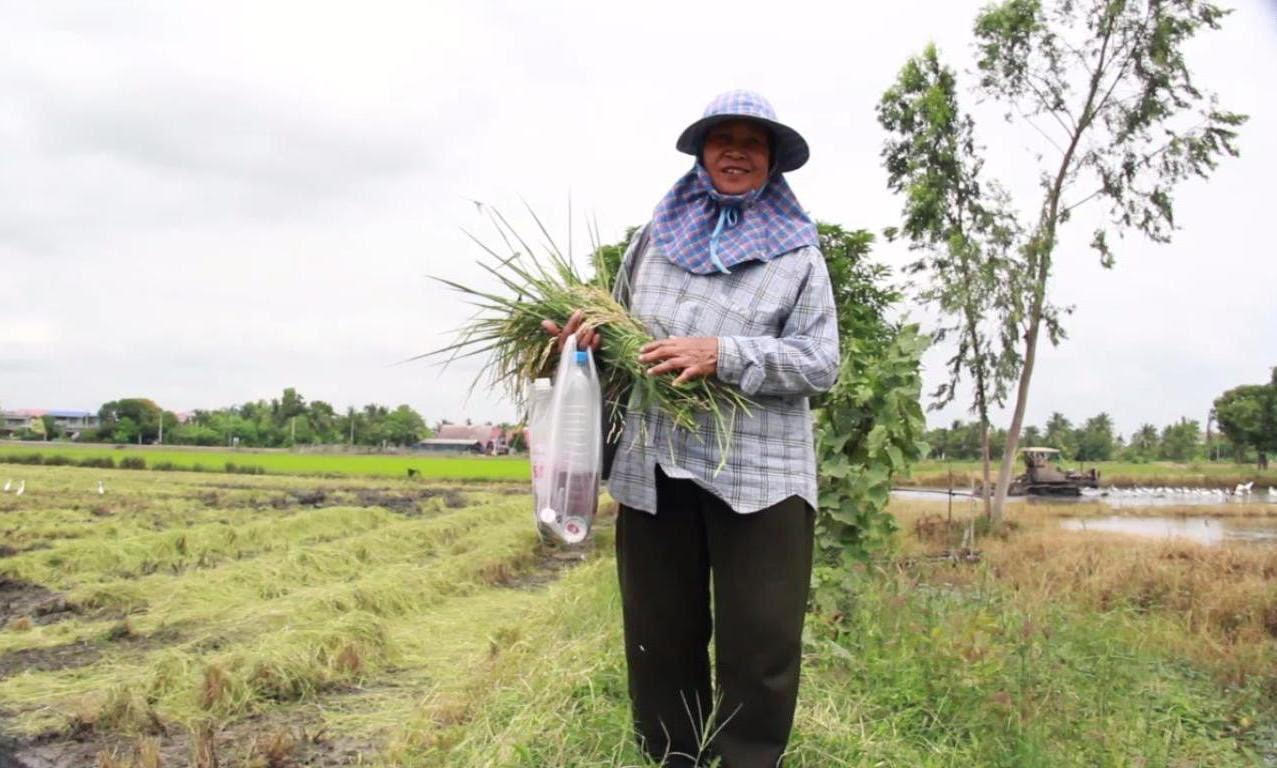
[789,146]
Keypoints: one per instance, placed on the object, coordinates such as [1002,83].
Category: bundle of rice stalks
[507,329]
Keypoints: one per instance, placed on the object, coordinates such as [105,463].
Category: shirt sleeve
[802,360]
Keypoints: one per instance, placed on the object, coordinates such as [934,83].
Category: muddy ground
[294,740]
[23,601]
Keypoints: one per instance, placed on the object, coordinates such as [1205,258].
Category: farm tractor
[1044,477]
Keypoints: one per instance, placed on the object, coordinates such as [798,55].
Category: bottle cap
[574,530]
[580,357]
[547,515]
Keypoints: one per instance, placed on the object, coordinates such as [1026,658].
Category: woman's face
[737,154]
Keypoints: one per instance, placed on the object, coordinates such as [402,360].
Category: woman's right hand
[586,337]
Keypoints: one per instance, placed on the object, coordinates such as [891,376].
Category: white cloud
[208,203]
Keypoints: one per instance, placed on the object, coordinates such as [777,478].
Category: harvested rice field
[238,618]
[198,619]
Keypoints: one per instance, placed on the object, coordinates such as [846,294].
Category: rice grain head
[507,330]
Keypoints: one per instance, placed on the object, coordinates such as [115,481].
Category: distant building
[12,422]
[492,439]
[450,445]
[71,422]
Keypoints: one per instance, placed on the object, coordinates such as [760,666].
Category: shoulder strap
[625,276]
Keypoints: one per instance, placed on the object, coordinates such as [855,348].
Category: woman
[729,280]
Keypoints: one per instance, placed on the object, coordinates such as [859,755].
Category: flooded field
[1203,530]
[1204,516]
[1262,501]
[1247,494]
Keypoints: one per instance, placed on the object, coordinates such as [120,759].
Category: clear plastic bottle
[570,486]
[540,406]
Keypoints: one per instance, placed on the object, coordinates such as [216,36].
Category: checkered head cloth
[704,231]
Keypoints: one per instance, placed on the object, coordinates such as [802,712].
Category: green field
[284,620]
[286,463]
[515,468]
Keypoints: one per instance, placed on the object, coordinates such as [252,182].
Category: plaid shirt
[777,341]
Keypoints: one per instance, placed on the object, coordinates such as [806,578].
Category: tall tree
[1032,435]
[349,424]
[965,236]
[1060,434]
[1247,415]
[1107,86]
[1095,440]
[404,426]
[1181,441]
[322,420]
[291,404]
[52,430]
[142,416]
[1111,77]
[1143,445]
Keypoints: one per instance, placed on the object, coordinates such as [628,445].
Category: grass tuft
[273,749]
[215,688]
[204,745]
[121,630]
[121,709]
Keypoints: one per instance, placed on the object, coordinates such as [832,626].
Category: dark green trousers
[758,568]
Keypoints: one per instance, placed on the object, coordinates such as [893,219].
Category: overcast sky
[206,203]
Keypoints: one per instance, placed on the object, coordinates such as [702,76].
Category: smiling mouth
[732,171]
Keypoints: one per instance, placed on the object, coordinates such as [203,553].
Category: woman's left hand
[694,357]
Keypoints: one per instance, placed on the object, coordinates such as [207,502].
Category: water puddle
[1179,497]
[1118,498]
[940,494]
[1204,530]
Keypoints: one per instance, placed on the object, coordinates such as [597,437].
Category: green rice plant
[478,469]
[507,328]
[22,458]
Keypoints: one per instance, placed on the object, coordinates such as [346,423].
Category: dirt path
[281,740]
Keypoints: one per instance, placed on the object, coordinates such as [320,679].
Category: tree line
[1245,418]
[280,422]
[1094,440]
